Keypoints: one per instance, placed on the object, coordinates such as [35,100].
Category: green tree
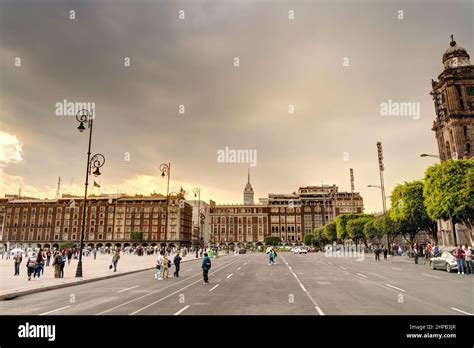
[308,239]
[136,236]
[355,228]
[329,231]
[449,194]
[370,232]
[341,224]
[409,210]
[271,240]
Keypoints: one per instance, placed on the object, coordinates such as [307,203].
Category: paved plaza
[309,284]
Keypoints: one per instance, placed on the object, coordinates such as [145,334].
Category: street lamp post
[166,170]
[95,163]
[202,217]
[197,193]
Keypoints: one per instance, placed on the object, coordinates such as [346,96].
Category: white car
[300,250]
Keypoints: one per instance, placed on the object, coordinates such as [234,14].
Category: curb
[12,295]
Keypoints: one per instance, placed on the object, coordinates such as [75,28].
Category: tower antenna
[59,187]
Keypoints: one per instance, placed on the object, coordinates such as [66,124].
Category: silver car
[445,261]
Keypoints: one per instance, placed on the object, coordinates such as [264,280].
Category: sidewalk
[93,270]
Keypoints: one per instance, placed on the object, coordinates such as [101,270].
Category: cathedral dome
[455,55]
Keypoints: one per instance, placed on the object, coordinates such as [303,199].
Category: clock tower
[453,96]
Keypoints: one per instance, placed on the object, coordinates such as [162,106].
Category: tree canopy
[449,192]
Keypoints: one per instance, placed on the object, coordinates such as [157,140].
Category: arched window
[465,132]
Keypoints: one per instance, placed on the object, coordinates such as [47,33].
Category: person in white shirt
[159,267]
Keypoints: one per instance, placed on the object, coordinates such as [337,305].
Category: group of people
[37,261]
[164,263]
[380,249]
[463,256]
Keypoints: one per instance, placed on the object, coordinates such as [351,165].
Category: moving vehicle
[299,250]
[242,251]
[446,261]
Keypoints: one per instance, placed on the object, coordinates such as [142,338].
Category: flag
[96,184]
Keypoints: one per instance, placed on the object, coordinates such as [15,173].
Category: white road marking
[432,276]
[188,270]
[215,286]
[362,275]
[397,269]
[458,310]
[230,275]
[394,287]
[161,289]
[318,309]
[133,287]
[238,269]
[329,263]
[56,310]
[343,268]
[182,310]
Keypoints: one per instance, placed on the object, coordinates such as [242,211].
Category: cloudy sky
[335,62]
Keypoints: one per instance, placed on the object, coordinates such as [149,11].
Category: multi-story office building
[286,216]
[238,223]
[109,221]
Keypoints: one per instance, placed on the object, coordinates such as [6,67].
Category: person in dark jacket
[177,263]
[206,266]
[39,264]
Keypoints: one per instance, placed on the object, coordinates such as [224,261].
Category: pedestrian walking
[115,259]
[69,257]
[30,265]
[385,252]
[177,265]
[62,264]
[377,252]
[39,264]
[275,255]
[206,266]
[48,257]
[16,262]
[270,257]
[459,255]
[166,266]
[57,260]
[159,267]
[415,253]
[468,259]
[95,253]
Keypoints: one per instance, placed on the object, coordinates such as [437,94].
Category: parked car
[242,251]
[446,261]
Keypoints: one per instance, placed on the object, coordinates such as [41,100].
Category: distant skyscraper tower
[453,96]
[248,191]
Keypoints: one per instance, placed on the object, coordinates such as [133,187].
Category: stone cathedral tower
[453,96]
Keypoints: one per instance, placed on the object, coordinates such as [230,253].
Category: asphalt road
[245,284]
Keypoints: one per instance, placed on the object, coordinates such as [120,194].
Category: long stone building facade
[286,216]
[110,221]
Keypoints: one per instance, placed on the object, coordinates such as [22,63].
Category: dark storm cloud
[190,62]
